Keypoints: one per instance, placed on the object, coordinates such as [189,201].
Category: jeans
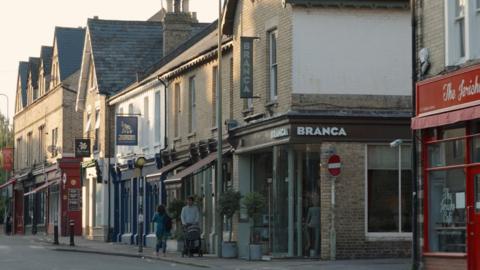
[161,243]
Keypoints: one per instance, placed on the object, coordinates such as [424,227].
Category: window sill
[378,237]
[445,254]
[191,135]
[213,129]
[247,111]
[253,117]
[177,139]
[271,104]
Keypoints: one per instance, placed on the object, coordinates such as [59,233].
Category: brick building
[45,125]
[446,123]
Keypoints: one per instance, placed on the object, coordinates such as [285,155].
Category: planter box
[229,250]
[175,245]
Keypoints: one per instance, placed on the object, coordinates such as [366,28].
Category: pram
[192,240]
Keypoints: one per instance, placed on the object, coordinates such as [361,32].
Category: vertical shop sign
[127,130]
[246,67]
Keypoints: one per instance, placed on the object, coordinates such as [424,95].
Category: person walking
[162,229]
[190,214]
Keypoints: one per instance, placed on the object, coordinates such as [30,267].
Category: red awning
[446,118]
[6,184]
[195,167]
[44,186]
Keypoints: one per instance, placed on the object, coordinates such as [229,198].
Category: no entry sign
[334,165]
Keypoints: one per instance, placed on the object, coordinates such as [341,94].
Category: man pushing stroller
[190,220]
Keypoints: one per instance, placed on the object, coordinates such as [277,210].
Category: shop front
[362,212]
[448,121]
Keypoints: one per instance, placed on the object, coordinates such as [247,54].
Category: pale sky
[26,25]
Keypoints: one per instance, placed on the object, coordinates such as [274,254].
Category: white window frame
[157,118]
[381,236]
[273,64]
[471,19]
[146,122]
[192,100]
[89,122]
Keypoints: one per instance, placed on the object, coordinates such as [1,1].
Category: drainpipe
[165,142]
[415,235]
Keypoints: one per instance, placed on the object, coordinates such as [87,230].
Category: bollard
[72,232]
[55,233]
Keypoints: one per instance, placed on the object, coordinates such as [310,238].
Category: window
[388,189]
[214,95]
[230,82]
[41,144]
[29,148]
[88,123]
[54,142]
[272,64]
[157,117]
[462,36]
[18,154]
[176,110]
[146,122]
[96,145]
[192,105]
[91,77]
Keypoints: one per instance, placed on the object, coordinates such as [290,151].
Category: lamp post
[139,163]
[219,184]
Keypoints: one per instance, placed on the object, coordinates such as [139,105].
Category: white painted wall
[351,51]
[148,145]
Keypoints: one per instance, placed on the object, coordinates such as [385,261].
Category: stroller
[192,240]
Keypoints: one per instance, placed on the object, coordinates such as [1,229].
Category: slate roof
[46,58]
[23,76]
[70,43]
[33,70]
[121,49]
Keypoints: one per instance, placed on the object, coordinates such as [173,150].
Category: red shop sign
[7,154]
[456,90]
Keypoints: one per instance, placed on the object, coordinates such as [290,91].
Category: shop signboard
[82,148]
[74,199]
[127,130]
[459,89]
[246,67]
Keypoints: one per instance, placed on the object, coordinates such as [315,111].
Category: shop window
[446,220]
[449,151]
[461,31]
[389,189]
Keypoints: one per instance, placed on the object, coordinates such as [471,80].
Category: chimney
[169,6]
[185,6]
[177,28]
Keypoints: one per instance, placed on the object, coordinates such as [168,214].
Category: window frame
[380,236]
[192,105]
[272,64]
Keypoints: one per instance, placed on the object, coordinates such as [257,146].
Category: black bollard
[55,233]
[72,232]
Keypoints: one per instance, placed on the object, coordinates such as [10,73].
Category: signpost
[334,165]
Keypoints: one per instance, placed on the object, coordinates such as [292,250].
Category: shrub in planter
[228,205]
[254,203]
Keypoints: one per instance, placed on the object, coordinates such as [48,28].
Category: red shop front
[448,123]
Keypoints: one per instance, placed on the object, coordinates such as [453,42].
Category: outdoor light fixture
[140,162]
[396,143]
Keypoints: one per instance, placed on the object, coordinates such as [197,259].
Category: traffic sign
[334,165]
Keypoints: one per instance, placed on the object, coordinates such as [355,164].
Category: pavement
[210,261]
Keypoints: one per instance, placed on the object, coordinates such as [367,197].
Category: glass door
[473,219]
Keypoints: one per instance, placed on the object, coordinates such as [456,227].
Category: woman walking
[162,229]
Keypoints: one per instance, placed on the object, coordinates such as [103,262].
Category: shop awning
[6,184]
[195,167]
[446,118]
[166,169]
[42,187]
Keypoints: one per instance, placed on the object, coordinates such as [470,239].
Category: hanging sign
[127,130]
[246,67]
[7,159]
[82,148]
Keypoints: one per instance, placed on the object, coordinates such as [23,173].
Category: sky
[26,25]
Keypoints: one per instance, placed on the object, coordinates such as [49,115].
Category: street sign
[334,165]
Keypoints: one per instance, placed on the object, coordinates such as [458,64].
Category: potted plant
[228,205]
[174,210]
[254,203]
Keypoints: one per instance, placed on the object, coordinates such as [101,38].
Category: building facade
[47,175]
[339,88]
[446,121]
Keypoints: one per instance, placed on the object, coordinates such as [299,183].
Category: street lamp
[139,164]
[5,193]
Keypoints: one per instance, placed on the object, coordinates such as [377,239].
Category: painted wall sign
[82,148]
[74,199]
[246,67]
[457,90]
[321,131]
[279,133]
[127,130]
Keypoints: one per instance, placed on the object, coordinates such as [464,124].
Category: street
[27,252]
[21,253]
